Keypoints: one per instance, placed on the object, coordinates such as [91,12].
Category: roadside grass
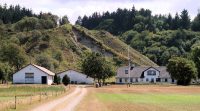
[15,90]
[26,94]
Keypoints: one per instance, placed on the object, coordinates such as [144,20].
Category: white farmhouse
[141,74]
[33,74]
[76,77]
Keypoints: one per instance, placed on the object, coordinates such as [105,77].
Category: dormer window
[126,71]
[151,73]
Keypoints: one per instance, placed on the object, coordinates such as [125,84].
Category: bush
[66,80]
[181,69]
[56,79]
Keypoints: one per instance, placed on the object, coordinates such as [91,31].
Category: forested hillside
[40,40]
[159,37]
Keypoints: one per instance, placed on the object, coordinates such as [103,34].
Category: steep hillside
[107,44]
[63,47]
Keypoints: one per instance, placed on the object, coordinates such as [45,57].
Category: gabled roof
[40,68]
[153,68]
[75,71]
[44,70]
[138,71]
[69,70]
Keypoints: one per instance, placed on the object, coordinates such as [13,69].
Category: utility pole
[129,80]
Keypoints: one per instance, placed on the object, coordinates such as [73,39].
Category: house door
[44,79]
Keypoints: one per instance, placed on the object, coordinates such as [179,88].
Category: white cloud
[74,8]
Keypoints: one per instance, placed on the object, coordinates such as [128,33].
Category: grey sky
[74,8]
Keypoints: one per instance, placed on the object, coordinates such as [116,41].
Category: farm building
[33,74]
[76,77]
[141,74]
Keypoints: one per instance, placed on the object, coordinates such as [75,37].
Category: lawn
[143,98]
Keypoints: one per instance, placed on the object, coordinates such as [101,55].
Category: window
[131,80]
[172,80]
[126,80]
[151,72]
[29,77]
[136,80]
[147,79]
[126,71]
[165,80]
[152,80]
[157,79]
[120,80]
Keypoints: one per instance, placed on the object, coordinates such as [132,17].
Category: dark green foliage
[64,20]
[123,20]
[5,72]
[57,79]
[14,55]
[181,69]
[185,20]
[12,14]
[196,23]
[27,24]
[66,80]
[58,55]
[161,46]
[196,58]
[44,61]
[96,66]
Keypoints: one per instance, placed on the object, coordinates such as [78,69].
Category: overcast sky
[74,8]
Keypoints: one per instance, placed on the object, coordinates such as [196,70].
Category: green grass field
[143,98]
[162,100]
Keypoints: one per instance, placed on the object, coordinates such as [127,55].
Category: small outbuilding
[33,74]
[76,77]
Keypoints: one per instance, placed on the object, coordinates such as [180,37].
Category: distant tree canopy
[139,20]
[64,20]
[12,14]
[181,69]
[196,23]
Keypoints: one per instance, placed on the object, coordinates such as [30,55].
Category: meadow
[26,94]
[143,98]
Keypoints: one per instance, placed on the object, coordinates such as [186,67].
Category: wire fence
[12,102]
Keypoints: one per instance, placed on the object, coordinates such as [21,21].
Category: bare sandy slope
[66,103]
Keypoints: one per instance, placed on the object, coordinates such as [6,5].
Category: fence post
[30,99]
[15,102]
[47,95]
[40,96]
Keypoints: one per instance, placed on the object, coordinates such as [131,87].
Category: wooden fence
[15,101]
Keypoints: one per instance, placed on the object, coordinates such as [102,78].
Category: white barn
[33,74]
[76,77]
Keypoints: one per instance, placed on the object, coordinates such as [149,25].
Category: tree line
[122,20]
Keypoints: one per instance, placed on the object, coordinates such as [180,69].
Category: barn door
[44,79]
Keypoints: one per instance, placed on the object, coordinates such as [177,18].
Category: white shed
[33,74]
[76,77]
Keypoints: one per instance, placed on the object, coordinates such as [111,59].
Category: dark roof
[138,71]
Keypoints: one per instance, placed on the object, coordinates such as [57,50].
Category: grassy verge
[26,94]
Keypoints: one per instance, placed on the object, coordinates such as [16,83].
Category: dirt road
[66,103]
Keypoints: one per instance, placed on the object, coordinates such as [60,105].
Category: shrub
[66,80]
